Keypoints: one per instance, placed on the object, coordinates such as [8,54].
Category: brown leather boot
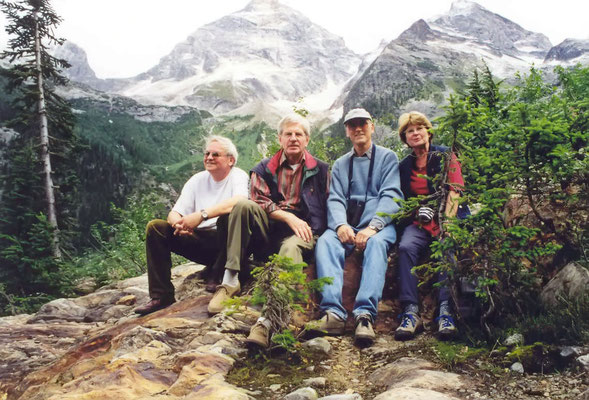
[259,335]
[154,305]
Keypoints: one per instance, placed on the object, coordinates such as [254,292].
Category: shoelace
[363,321]
[407,318]
[447,321]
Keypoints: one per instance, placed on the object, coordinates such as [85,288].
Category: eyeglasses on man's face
[213,154]
[356,123]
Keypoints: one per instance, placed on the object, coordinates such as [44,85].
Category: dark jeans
[202,247]
[413,245]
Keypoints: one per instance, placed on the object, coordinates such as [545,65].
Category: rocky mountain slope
[265,54]
[262,59]
[570,51]
[431,59]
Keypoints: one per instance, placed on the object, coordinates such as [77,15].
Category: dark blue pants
[413,245]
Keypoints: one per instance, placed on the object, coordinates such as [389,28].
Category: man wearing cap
[365,182]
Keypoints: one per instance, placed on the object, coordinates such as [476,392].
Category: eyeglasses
[356,122]
[214,154]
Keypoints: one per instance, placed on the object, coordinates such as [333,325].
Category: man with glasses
[365,182]
[191,227]
[285,213]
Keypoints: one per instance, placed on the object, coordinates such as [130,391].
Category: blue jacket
[313,192]
[382,194]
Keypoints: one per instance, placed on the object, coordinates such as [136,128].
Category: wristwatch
[376,226]
[204,214]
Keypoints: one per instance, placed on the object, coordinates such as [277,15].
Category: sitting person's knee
[405,247]
[156,225]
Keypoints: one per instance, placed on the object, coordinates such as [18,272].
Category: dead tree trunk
[45,156]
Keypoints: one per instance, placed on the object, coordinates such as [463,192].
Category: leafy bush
[30,275]
[523,157]
[568,323]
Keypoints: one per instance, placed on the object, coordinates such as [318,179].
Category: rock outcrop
[94,347]
[570,282]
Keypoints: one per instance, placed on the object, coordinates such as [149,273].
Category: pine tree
[39,182]
[34,73]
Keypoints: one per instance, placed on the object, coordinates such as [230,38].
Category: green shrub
[119,249]
[523,157]
[280,287]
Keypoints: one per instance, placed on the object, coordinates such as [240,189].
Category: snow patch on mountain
[265,53]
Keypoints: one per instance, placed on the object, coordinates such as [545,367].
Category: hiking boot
[410,325]
[364,334]
[259,335]
[446,327]
[328,325]
[224,292]
[154,305]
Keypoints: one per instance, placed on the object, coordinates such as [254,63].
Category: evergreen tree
[34,74]
[526,168]
[39,180]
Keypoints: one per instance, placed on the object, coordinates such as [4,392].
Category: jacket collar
[433,151]
[274,162]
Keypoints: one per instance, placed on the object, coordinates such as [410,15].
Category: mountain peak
[240,60]
[464,7]
[418,30]
[262,5]
[472,21]
[570,50]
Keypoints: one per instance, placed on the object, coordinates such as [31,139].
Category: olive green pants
[248,230]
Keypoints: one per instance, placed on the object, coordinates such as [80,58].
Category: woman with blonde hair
[425,160]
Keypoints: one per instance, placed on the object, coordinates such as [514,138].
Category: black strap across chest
[370,169]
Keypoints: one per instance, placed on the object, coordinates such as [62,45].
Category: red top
[419,187]
[289,186]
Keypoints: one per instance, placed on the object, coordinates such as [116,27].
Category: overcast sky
[126,37]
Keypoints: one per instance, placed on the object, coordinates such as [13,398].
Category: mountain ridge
[262,54]
[264,58]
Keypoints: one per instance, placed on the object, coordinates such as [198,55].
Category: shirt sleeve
[185,203]
[240,184]
[455,179]
[260,193]
[336,202]
[390,190]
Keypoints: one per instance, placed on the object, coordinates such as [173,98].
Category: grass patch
[452,354]
[259,371]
